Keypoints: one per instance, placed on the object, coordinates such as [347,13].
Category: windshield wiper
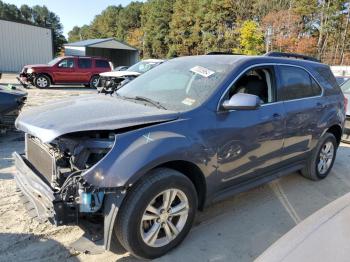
[148,100]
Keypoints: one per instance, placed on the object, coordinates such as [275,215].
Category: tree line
[36,15]
[168,28]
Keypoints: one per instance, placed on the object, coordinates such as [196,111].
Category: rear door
[84,71]
[304,106]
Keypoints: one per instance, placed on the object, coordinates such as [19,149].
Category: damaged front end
[50,176]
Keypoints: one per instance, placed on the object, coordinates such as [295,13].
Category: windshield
[54,61]
[142,67]
[346,87]
[180,84]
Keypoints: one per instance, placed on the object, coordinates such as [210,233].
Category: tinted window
[296,83]
[67,63]
[84,63]
[102,63]
[316,89]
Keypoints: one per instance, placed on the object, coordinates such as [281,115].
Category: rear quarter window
[102,64]
[327,76]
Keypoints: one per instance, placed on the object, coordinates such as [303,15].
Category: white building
[22,44]
[119,53]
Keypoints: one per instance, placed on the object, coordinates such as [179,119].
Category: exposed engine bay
[61,163]
[109,84]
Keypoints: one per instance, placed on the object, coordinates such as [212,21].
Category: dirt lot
[238,229]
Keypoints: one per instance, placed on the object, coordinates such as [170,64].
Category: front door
[250,142]
[65,71]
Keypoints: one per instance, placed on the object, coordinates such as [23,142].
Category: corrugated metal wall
[22,44]
[119,57]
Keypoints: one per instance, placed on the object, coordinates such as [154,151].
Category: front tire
[94,81]
[157,214]
[322,158]
[42,81]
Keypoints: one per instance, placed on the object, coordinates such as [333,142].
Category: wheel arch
[46,74]
[193,172]
[336,130]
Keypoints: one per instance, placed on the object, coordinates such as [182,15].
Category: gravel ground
[238,229]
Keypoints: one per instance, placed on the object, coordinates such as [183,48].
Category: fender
[134,153]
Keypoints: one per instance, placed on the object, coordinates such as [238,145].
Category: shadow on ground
[29,247]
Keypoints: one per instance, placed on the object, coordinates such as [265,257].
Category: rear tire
[321,161]
[148,226]
[42,81]
[94,81]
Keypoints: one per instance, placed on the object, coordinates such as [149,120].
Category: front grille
[102,81]
[39,156]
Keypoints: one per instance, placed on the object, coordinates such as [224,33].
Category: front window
[66,63]
[180,84]
[54,61]
[142,67]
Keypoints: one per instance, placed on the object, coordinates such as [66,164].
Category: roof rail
[292,55]
[222,53]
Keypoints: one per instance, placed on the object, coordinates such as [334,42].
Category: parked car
[341,79]
[111,81]
[120,68]
[65,70]
[345,87]
[190,132]
[11,102]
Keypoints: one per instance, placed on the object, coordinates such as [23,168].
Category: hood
[120,73]
[36,66]
[87,113]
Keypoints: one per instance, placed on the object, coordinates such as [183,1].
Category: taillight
[345,103]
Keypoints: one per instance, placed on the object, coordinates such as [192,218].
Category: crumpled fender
[136,152]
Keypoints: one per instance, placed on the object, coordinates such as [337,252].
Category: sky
[72,12]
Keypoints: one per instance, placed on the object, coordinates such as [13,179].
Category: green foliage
[161,28]
[155,20]
[37,15]
[251,39]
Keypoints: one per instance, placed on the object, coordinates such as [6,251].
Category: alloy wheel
[164,218]
[41,82]
[325,158]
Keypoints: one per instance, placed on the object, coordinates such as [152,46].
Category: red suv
[65,70]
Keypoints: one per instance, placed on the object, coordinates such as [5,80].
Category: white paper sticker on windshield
[188,101]
[202,71]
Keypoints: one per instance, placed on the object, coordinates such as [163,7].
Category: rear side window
[84,63]
[102,63]
[296,84]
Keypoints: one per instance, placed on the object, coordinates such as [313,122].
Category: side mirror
[241,101]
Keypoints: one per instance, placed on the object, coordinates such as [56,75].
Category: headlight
[30,70]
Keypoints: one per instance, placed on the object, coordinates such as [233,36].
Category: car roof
[90,57]
[239,59]
[153,60]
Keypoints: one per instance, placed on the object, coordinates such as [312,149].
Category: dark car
[187,133]
[11,102]
[65,70]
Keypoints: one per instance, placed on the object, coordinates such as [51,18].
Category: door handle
[276,116]
[320,106]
